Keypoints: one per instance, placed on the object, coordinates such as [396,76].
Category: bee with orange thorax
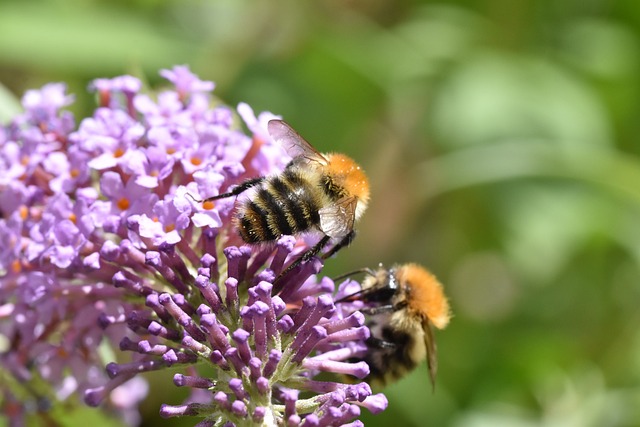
[325,193]
[402,304]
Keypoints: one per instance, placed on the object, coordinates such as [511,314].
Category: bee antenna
[353,273]
[193,198]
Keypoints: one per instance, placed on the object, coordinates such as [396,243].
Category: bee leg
[237,189]
[379,343]
[314,250]
[306,256]
[377,310]
[346,241]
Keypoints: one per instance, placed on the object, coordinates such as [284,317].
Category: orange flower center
[123,204]
[24,212]
[16,267]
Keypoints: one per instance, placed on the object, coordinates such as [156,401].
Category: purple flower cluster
[104,247]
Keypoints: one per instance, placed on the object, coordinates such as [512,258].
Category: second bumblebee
[403,303]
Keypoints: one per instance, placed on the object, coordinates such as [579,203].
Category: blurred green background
[501,141]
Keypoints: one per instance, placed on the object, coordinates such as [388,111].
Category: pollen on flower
[196,161]
[24,212]
[118,153]
[123,204]
[169,227]
[170,150]
[74,173]
[24,160]
[105,98]
[208,205]
[16,266]
[73,218]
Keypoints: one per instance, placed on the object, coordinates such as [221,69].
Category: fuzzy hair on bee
[402,304]
[324,193]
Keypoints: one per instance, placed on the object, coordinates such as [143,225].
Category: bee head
[348,175]
[423,294]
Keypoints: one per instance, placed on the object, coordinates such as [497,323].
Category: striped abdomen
[286,204]
[389,364]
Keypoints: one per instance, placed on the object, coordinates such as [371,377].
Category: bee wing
[336,220]
[294,144]
[432,351]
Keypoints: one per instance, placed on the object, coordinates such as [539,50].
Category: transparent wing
[293,143]
[336,220]
[432,351]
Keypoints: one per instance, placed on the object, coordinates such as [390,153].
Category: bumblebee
[402,304]
[325,193]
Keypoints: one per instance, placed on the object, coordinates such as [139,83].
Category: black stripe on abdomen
[290,192]
[303,204]
[275,207]
[390,364]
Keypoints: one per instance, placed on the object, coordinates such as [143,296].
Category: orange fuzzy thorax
[427,296]
[349,175]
